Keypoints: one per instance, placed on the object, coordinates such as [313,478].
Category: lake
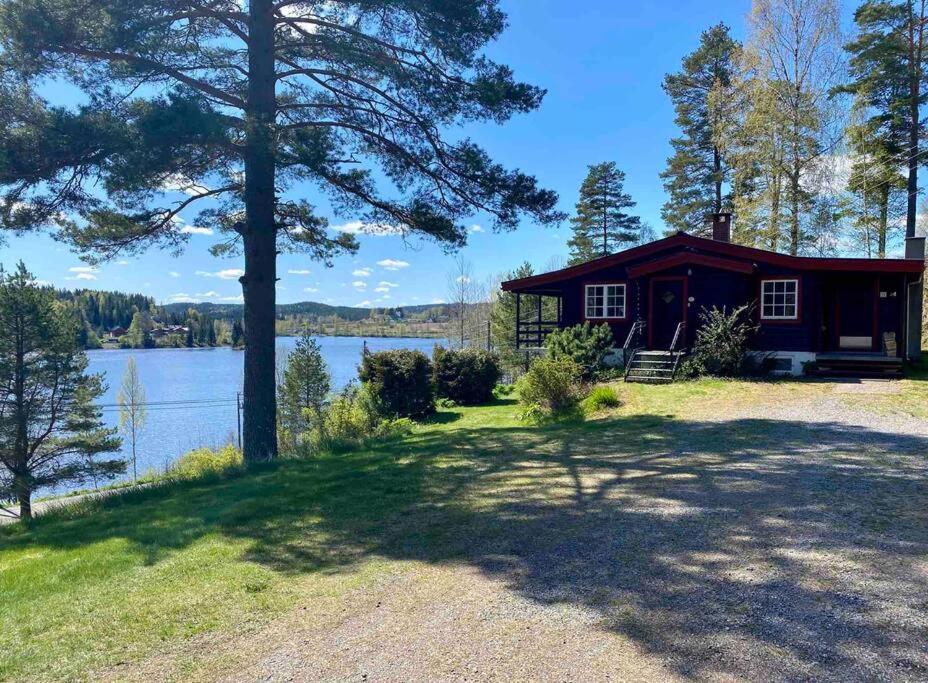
[193,391]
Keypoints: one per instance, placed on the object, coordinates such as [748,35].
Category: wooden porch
[536,318]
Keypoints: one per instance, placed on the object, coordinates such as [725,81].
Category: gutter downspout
[914,249]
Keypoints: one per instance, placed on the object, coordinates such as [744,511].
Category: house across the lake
[835,312]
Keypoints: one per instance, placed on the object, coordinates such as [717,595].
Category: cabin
[840,314]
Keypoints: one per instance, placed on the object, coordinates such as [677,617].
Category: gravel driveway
[783,539]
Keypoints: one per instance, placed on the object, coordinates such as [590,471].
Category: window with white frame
[605,301]
[779,299]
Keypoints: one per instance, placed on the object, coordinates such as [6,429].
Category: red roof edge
[724,249]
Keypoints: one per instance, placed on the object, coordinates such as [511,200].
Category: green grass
[118,580]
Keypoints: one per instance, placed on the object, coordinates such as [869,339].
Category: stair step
[648,379]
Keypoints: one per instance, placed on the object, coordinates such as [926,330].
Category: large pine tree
[887,81]
[601,225]
[232,104]
[699,170]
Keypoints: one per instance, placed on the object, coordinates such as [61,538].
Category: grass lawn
[164,576]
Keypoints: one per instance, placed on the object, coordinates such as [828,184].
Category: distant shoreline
[112,347]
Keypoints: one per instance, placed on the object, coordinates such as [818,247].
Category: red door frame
[685,304]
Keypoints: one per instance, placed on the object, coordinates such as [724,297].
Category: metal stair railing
[633,343]
[676,353]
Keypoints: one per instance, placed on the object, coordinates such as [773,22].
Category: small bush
[400,383]
[551,387]
[206,461]
[352,419]
[586,345]
[466,377]
[601,398]
[721,342]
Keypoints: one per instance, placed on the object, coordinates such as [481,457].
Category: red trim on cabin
[683,240]
[690,258]
[589,283]
[760,299]
[685,302]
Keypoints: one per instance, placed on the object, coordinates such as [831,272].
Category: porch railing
[532,333]
[633,342]
[676,349]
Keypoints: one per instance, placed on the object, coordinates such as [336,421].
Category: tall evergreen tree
[601,226]
[233,103]
[702,94]
[50,429]
[887,69]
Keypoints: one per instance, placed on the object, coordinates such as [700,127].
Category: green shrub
[601,398]
[206,461]
[552,386]
[586,345]
[351,420]
[400,383]
[721,342]
[466,377]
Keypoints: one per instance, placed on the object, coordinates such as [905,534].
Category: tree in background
[503,318]
[305,383]
[886,80]
[794,52]
[461,295]
[50,429]
[601,225]
[139,334]
[232,108]
[702,94]
[132,414]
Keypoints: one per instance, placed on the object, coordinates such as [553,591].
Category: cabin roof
[723,255]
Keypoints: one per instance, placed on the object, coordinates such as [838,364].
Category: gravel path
[784,539]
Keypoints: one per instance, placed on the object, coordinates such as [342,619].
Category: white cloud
[475,228]
[364,304]
[180,296]
[387,283]
[311,289]
[381,289]
[393,264]
[359,284]
[301,271]
[174,273]
[463,279]
[374,229]
[122,263]
[82,273]
[362,272]
[209,295]
[227,274]
[194,230]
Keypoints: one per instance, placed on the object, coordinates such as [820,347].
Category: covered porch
[538,314]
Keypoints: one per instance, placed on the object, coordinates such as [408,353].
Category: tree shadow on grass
[747,548]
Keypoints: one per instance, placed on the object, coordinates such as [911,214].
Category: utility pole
[238,415]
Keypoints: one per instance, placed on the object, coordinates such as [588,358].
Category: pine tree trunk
[884,221]
[915,67]
[260,244]
[24,497]
[717,169]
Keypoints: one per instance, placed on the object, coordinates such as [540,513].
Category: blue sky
[602,63]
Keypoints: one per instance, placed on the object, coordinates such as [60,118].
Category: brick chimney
[721,227]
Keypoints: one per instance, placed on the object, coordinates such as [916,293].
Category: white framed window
[779,299]
[605,301]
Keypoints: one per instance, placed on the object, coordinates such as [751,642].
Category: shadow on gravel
[749,548]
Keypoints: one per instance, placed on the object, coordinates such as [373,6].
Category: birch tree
[132,412]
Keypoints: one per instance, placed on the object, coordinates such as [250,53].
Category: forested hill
[305,309]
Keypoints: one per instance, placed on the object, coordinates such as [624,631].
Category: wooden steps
[857,365]
[652,367]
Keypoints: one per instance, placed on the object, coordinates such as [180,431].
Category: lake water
[194,390]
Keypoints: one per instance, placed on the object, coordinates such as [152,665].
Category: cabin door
[856,312]
[667,311]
